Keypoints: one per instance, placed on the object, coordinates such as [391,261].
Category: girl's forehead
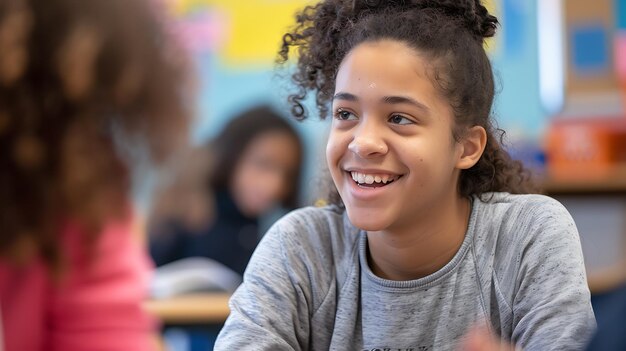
[383,66]
[384,54]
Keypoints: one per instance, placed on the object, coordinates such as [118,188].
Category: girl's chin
[366,222]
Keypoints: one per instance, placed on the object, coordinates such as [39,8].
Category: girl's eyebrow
[392,100]
[345,96]
[405,100]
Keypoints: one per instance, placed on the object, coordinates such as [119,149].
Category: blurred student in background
[256,164]
[79,81]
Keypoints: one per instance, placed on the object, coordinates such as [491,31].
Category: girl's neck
[423,246]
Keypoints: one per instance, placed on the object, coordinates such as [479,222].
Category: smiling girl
[428,239]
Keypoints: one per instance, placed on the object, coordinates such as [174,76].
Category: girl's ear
[472,147]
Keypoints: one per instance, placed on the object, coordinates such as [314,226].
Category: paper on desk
[194,274]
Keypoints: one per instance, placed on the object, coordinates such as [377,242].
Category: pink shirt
[96,305]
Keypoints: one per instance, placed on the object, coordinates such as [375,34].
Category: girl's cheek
[337,144]
[331,150]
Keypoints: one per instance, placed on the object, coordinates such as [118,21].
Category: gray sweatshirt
[520,269]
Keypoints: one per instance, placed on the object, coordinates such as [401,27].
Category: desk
[612,183]
[207,308]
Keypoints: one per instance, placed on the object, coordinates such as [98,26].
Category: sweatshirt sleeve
[97,303]
[270,310]
[551,304]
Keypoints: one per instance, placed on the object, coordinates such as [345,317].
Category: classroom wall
[233,77]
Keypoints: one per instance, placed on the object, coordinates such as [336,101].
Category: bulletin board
[589,53]
[240,33]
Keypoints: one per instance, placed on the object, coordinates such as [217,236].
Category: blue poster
[590,51]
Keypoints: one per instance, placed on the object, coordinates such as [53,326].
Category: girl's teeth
[371,179]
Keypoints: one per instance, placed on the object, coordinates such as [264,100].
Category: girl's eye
[344,115]
[399,119]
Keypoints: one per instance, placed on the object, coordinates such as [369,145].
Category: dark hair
[75,75]
[230,145]
[450,32]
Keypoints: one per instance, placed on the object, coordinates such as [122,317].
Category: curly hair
[450,33]
[80,79]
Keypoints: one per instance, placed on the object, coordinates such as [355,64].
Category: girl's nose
[367,142]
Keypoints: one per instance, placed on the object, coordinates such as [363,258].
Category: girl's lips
[370,171]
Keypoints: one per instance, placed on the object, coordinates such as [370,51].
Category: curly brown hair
[450,33]
[79,79]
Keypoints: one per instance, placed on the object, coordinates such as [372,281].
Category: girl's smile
[368,184]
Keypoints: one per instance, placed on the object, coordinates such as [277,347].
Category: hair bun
[483,23]
[472,12]
[475,16]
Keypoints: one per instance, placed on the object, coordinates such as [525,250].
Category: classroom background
[561,80]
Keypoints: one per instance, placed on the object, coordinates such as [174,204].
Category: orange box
[585,148]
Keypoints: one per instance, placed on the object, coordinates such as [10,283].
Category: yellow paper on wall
[256,29]
[491,43]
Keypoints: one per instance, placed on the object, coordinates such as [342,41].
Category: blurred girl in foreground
[80,80]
